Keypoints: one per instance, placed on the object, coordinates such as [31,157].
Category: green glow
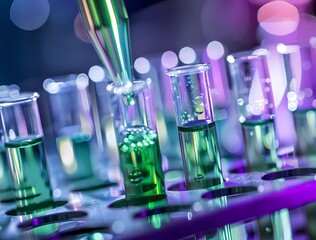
[260,145]
[4,171]
[200,155]
[141,162]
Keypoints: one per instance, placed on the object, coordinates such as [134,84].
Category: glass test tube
[23,137]
[138,145]
[299,63]
[5,184]
[72,123]
[255,103]
[196,125]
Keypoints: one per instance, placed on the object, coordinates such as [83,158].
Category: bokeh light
[278,18]
[215,50]
[29,14]
[187,55]
[96,73]
[142,65]
[169,59]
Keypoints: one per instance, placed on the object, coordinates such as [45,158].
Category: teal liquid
[275,226]
[260,145]
[200,154]
[75,153]
[27,164]
[140,159]
[305,127]
[5,183]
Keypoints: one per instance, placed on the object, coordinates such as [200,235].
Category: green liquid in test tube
[141,162]
[23,142]
[138,144]
[28,164]
[200,154]
[196,126]
[106,22]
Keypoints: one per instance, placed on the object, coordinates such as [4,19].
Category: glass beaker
[138,145]
[252,84]
[299,63]
[23,137]
[196,125]
[72,123]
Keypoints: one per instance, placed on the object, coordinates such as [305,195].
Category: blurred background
[45,38]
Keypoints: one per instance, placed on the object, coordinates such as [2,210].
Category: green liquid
[28,169]
[260,145]
[305,126]
[200,155]
[75,154]
[141,162]
[5,183]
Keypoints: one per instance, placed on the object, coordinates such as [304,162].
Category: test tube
[138,145]
[72,123]
[299,66]
[196,125]
[252,84]
[6,91]
[23,137]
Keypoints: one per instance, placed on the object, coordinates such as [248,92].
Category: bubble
[240,101]
[242,119]
[185,117]
[135,176]
[251,133]
[124,148]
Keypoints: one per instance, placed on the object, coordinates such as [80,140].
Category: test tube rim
[24,97]
[244,56]
[187,69]
[66,82]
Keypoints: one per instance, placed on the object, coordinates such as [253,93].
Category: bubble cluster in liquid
[137,137]
[185,117]
[133,141]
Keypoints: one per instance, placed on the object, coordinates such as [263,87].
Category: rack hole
[229,191]
[289,173]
